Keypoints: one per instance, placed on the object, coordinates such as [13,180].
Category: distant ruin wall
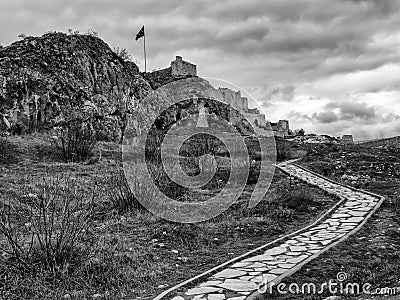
[256,119]
[347,139]
[381,142]
[283,127]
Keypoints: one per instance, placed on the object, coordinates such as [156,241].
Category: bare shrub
[299,200]
[47,227]
[76,141]
[121,197]
[123,53]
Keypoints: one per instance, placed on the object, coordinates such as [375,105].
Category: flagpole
[144,48]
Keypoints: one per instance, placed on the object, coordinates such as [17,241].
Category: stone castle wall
[180,68]
[235,99]
[183,68]
[257,120]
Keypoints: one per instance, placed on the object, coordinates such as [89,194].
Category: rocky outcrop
[49,80]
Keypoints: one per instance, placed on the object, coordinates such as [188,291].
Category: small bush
[123,54]
[8,152]
[47,227]
[299,200]
[76,141]
[121,197]
[284,213]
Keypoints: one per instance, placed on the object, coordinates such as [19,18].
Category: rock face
[49,80]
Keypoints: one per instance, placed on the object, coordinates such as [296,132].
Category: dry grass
[133,253]
[46,227]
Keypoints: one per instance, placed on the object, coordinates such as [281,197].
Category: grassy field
[115,249]
[372,256]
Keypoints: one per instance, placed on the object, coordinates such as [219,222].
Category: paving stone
[296,260]
[283,256]
[229,273]
[286,266]
[240,264]
[351,203]
[256,265]
[333,228]
[293,253]
[315,246]
[202,290]
[272,263]
[291,242]
[216,297]
[322,226]
[314,251]
[257,279]
[298,248]
[312,243]
[353,220]
[245,270]
[246,277]
[261,269]
[275,251]
[254,273]
[327,242]
[210,283]
[363,209]
[237,298]
[239,285]
[340,216]
[262,257]
[198,297]
[278,271]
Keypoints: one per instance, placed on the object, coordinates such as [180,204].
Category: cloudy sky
[328,66]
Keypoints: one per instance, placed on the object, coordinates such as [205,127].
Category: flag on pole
[140,33]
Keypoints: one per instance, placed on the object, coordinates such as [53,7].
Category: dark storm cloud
[326,117]
[285,93]
[347,111]
[314,31]
[354,110]
[278,48]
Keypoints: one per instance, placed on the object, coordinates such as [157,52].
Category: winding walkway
[242,277]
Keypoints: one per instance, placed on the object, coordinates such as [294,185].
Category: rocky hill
[49,80]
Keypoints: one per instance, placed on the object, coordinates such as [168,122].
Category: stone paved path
[243,278]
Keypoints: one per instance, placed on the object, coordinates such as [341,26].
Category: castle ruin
[183,69]
[180,67]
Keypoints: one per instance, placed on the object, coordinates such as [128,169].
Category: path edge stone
[257,295]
